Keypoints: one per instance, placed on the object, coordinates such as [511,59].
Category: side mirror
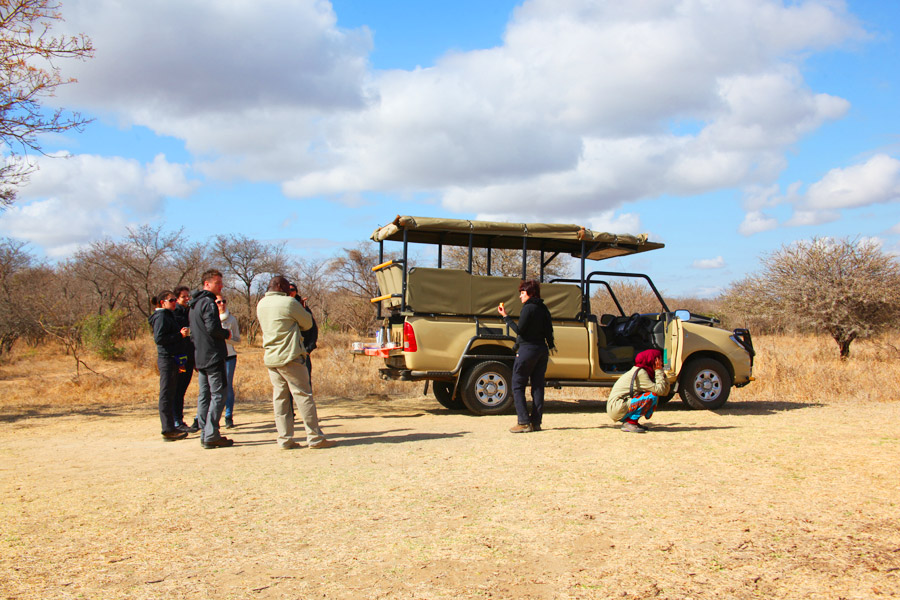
[683,315]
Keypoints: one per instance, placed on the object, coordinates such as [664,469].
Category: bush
[99,332]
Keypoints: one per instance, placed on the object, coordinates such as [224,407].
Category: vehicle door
[674,347]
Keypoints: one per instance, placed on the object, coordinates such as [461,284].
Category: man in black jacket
[169,338]
[185,360]
[210,353]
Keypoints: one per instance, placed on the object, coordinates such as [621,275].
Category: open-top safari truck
[441,325]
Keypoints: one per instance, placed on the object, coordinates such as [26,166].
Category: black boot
[229,423]
[195,427]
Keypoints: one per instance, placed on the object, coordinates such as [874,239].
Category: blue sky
[722,129]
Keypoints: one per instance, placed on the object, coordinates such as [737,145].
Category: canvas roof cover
[550,237]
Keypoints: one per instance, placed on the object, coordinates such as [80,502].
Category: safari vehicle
[441,325]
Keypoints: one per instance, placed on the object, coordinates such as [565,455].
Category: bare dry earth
[762,500]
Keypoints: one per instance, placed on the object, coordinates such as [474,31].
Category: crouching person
[282,320]
[637,392]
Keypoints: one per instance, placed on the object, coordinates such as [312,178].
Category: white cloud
[873,182]
[756,222]
[569,118]
[709,263]
[76,199]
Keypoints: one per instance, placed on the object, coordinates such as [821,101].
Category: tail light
[409,338]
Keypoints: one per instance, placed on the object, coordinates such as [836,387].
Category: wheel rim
[707,385]
[491,389]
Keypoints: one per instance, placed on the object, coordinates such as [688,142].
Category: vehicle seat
[619,356]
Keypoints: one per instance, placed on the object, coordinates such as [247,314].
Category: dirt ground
[760,500]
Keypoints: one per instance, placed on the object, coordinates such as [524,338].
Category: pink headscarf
[646,359]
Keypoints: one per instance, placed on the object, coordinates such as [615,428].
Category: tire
[488,388]
[705,384]
[443,391]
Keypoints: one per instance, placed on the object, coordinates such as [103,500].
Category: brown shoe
[633,428]
[175,434]
[526,428]
[323,444]
[292,445]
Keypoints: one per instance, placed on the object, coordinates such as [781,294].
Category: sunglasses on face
[221,301]
[169,300]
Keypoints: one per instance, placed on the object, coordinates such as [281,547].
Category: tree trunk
[843,343]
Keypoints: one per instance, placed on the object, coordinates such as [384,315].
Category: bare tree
[847,288]
[247,262]
[355,285]
[141,264]
[29,74]
[504,262]
[634,296]
[16,320]
[313,281]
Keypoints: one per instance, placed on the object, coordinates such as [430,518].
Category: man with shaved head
[282,320]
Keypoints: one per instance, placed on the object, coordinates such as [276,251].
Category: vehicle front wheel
[705,383]
[443,392]
[487,388]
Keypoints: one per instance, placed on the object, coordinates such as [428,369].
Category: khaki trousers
[292,380]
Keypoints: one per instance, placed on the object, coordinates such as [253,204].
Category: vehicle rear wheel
[705,383]
[488,388]
[443,391]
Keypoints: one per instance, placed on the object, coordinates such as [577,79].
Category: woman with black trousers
[534,342]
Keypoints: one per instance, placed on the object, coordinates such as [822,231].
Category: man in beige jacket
[281,319]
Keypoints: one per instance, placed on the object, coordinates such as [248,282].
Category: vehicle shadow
[668,427]
[365,438]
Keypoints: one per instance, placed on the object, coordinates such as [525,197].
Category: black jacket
[310,336]
[206,330]
[535,325]
[166,333]
[183,320]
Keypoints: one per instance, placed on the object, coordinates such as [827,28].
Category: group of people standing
[196,332]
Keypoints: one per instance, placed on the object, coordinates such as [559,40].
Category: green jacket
[281,319]
[617,403]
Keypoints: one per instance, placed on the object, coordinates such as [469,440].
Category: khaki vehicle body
[442,325]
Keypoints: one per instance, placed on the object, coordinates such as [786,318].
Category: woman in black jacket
[534,342]
[169,338]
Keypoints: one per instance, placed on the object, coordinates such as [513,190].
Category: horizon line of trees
[105,291]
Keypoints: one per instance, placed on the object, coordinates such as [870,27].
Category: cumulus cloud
[873,182]
[876,181]
[76,199]
[709,263]
[573,115]
[755,222]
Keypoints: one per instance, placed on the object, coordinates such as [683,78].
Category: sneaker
[171,436]
[323,444]
[222,442]
[229,423]
[633,428]
[292,445]
[644,427]
[526,428]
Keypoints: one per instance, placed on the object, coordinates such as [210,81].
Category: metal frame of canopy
[553,238]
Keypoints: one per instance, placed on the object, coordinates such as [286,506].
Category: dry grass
[41,379]
[788,369]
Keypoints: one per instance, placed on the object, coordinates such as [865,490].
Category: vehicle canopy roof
[549,237]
